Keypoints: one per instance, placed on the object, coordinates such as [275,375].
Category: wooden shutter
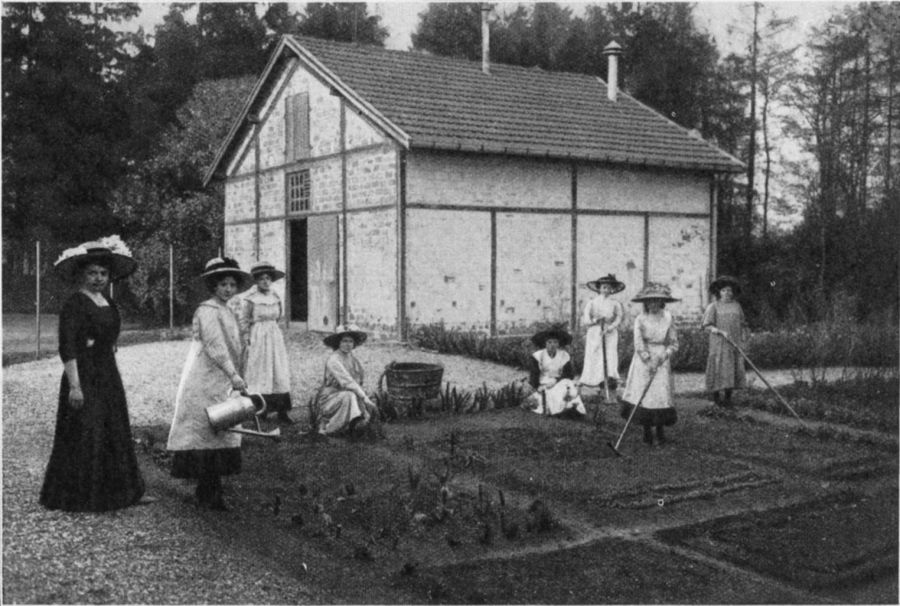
[296,126]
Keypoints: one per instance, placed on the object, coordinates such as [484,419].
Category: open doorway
[299,274]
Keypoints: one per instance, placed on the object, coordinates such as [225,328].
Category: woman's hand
[76,397]
[237,382]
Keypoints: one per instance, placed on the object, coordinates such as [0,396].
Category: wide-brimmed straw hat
[264,267]
[560,334]
[345,330]
[610,279]
[220,267]
[110,252]
[655,291]
[722,281]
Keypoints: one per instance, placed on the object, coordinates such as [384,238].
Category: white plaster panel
[534,270]
[372,178]
[360,131]
[372,269]
[325,185]
[641,190]
[240,244]
[610,245]
[484,180]
[239,200]
[679,257]
[272,201]
[448,263]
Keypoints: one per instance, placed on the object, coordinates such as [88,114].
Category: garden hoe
[759,374]
[615,448]
[605,371]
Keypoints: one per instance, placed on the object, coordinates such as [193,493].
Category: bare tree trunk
[751,151]
[767,149]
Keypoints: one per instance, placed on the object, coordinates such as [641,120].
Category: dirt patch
[818,544]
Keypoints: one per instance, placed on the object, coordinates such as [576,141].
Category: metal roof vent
[612,50]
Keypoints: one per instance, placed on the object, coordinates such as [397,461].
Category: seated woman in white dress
[342,404]
[552,376]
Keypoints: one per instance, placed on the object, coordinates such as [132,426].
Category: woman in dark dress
[93,466]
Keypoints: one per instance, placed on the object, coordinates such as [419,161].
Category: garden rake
[605,369]
[759,374]
[615,448]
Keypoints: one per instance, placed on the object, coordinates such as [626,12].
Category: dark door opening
[299,281]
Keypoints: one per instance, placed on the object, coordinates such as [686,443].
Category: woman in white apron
[602,316]
[655,342]
[267,371]
[552,377]
[211,372]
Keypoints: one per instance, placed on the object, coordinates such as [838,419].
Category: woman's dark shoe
[613,384]
[284,418]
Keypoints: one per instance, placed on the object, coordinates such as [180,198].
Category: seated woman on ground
[552,376]
[341,403]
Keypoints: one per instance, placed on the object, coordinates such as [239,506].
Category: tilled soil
[520,509]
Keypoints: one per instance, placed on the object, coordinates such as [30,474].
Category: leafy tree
[64,112]
[342,21]
[162,201]
[451,29]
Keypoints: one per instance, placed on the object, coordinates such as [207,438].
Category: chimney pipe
[612,50]
[485,39]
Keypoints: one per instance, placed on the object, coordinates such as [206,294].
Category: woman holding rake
[724,319]
[655,341]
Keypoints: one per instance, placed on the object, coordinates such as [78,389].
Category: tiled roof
[450,104]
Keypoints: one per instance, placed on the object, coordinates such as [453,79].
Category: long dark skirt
[197,464]
[649,416]
[93,466]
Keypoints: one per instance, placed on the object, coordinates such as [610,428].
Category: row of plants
[809,346]
[454,400]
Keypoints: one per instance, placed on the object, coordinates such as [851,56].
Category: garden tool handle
[759,374]
[636,406]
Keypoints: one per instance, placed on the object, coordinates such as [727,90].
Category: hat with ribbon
[221,267]
[609,279]
[345,330]
[110,252]
[655,291]
[264,267]
[722,281]
[556,332]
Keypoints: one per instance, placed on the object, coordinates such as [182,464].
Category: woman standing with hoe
[724,320]
[650,375]
[602,316]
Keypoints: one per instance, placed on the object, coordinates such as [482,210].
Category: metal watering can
[240,407]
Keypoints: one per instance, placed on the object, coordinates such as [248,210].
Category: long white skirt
[561,397]
[594,351]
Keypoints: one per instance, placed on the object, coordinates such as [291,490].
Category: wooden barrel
[407,381]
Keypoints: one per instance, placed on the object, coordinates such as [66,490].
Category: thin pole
[37,300]
[171,287]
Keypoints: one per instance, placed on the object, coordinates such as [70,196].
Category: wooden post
[171,287]
[37,299]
